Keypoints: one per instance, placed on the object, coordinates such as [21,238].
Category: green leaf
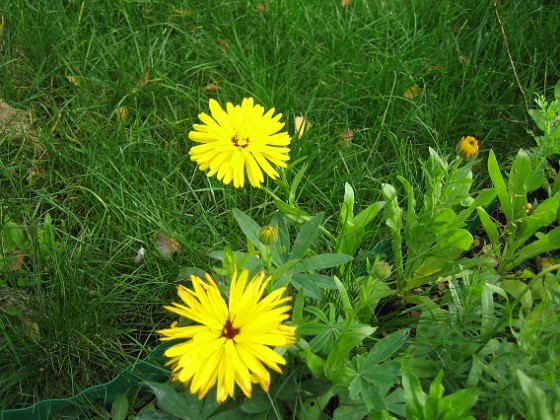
[413,395]
[536,398]
[321,261]
[306,236]
[387,346]
[486,312]
[459,404]
[434,396]
[499,185]
[258,403]
[542,216]
[349,339]
[295,183]
[291,212]
[547,243]
[354,231]
[249,227]
[318,280]
[12,236]
[488,225]
[557,91]
[171,401]
[347,208]
[458,238]
[119,408]
[519,173]
[518,290]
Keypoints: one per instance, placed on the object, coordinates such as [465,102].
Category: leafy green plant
[511,241]
[547,118]
[435,405]
[428,239]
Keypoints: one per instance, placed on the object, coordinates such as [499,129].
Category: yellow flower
[242,138]
[467,147]
[230,342]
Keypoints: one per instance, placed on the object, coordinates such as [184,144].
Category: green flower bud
[268,235]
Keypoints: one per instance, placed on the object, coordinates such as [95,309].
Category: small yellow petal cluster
[242,138]
[268,235]
[229,343]
[467,147]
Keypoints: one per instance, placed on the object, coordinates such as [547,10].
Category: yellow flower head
[229,343]
[241,138]
[467,147]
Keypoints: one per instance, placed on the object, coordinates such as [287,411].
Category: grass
[109,185]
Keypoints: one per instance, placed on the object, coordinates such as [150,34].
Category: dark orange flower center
[240,141]
[229,331]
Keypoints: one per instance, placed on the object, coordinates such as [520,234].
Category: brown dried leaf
[223,44]
[181,12]
[122,113]
[16,260]
[435,67]
[262,7]
[13,121]
[145,80]
[301,125]
[411,92]
[139,255]
[211,87]
[167,246]
[347,136]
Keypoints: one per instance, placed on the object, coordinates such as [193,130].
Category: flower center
[240,141]
[229,331]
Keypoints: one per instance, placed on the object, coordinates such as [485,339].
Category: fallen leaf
[13,121]
[347,136]
[301,125]
[182,12]
[140,255]
[411,92]
[122,113]
[223,44]
[31,329]
[16,260]
[345,3]
[75,80]
[167,246]
[145,80]
[261,7]
[436,67]
[211,87]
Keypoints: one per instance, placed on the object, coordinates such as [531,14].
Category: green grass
[109,186]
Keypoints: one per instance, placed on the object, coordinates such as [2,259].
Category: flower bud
[467,147]
[268,235]
[381,270]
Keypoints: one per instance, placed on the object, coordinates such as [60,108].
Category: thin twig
[496,4]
